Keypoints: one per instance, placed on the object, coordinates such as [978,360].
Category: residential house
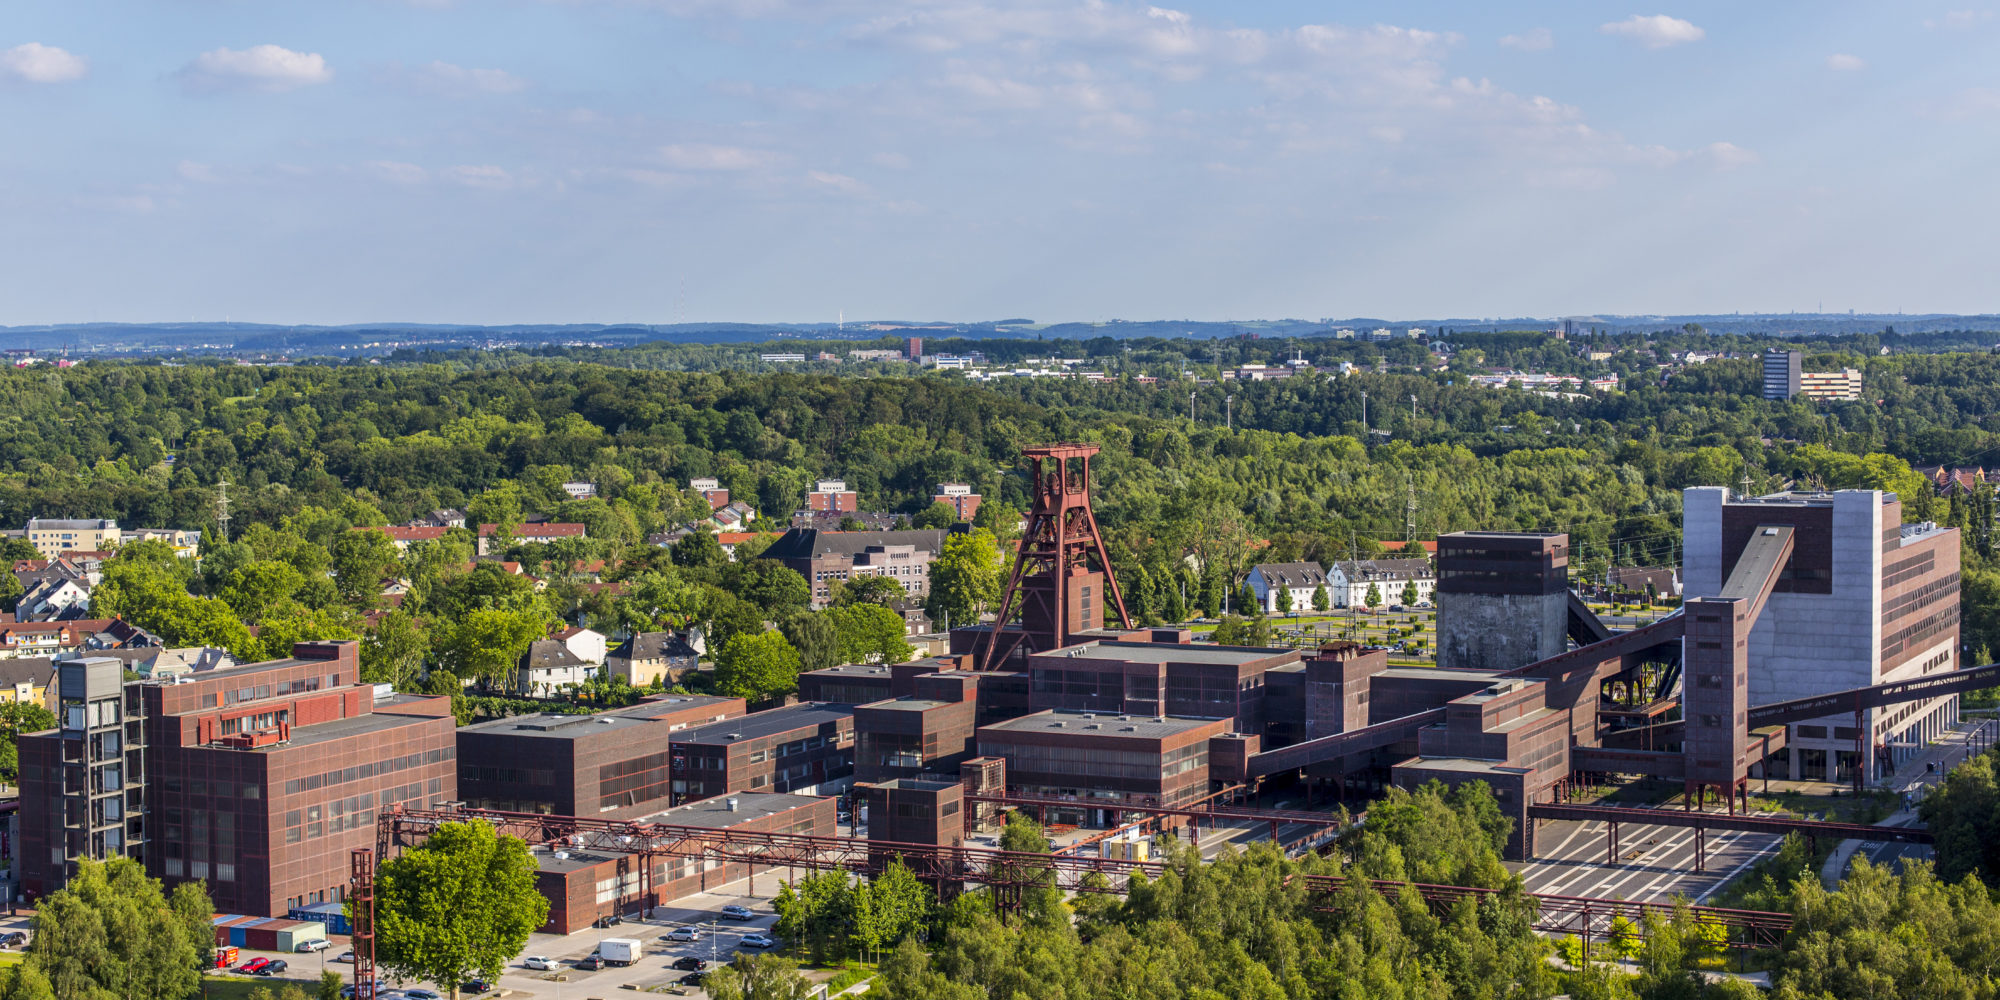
[186,544]
[443,517]
[1296,581]
[53,536]
[711,490]
[959,497]
[587,644]
[53,598]
[825,556]
[580,490]
[29,680]
[1348,582]
[547,667]
[405,535]
[833,496]
[649,656]
[48,638]
[824,520]
[539,533]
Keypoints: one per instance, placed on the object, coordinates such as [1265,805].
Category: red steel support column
[361,892]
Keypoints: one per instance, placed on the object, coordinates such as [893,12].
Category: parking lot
[719,943]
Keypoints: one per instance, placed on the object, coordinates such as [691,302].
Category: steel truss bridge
[1012,872]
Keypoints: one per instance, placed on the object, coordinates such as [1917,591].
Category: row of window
[369,770]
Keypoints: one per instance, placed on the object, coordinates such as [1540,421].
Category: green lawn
[240,987]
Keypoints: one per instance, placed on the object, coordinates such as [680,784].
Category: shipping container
[333,915]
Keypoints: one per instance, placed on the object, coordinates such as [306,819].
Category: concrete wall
[1500,631]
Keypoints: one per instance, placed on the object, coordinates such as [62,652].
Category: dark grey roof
[1101,724]
[805,543]
[548,654]
[557,726]
[652,646]
[16,670]
[1297,574]
[657,707]
[769,722]
[1386,569]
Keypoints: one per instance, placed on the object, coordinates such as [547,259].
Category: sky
[661,161]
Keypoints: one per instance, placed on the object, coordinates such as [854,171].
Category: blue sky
[499,161]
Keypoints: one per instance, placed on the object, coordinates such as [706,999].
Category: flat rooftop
[769,722]
[339,729]
[669,706]
[1796,498]
[850,670]
[1160,652]
[557,726]
[905,705]
[1461,764]
[714,813]
[1437,674]
[1137,727]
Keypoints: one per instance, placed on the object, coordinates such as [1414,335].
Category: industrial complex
[1818,640]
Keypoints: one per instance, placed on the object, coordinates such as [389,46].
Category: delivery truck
[621,951]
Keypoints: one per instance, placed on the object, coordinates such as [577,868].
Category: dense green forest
[368,443]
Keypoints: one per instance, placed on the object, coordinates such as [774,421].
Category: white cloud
[1655,31]
[1531,40]
[485,177]
[395,172]
[265,68]
[1958,19]
[1729,156]
[1845,63]
[839,182]
[459,81]
[33,62]
[701,156]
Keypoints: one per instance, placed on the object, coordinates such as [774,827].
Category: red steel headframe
[1062,534]
[361,903]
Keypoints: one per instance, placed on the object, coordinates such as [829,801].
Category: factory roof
[1161,652]
[1101,724]
[557,726]
[769,722]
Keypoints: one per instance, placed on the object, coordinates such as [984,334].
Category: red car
[253,965]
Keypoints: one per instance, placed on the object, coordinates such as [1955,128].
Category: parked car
[253,965]
[590,964]
[734,912]
[423,994]
[757,941]
[681,934]
[693,978]
[540,963]
[272,968]
[347,992]
[475,986]
[316,944]
[12,938]
[612,920]
[345,956]
[690,963]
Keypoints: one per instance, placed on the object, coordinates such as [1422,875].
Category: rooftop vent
[1055,725]
[1128,729]
[735,803]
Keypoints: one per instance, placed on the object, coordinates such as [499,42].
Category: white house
[1348,582]
[1299,580]
[588,645]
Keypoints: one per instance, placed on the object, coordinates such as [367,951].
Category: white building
[1298,580]
[1348,582]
